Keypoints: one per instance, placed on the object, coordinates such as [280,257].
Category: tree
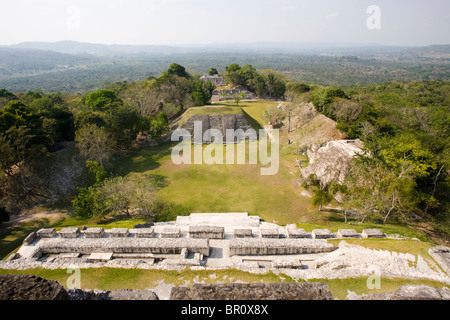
[94,143]
[238,97]
[177,70]
[213,71]
[142,98]
[102,100]
[270,83]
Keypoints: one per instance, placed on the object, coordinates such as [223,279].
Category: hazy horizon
[206,22]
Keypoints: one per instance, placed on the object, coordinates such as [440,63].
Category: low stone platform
[243,233]
[94,232]
[373,233]
[206,232]
[347,233]
[294,233]
[69,233]
[124,245]
[278,246]
[118,233]
[171,233]
[322,234]
[46,233]
[144,233]
[269,233]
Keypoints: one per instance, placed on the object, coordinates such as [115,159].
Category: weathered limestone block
[144,232]
[69,232]
[101,256]
[94,232]
[243,233]
[30,239]
[36,254]
[269,233]
[347,233]
[322,234]
[442,256]
[278,246]
[206,232]
[294,233]
[171,232]
[69,255]
[258,291]
[287,264]
[372,233]
[47,233]
[118,232]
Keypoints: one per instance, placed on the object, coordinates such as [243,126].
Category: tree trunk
[390,210]
[435,187]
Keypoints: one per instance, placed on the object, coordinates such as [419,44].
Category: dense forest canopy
[71,71]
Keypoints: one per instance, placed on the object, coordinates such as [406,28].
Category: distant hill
[73,47]
[77,67]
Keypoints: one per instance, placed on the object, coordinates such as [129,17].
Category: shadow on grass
[166,211]
[141,160]
[255,124]
[13,239]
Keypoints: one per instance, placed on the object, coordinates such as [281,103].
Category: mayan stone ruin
[214,241]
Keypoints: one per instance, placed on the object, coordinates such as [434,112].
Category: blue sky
[403,22]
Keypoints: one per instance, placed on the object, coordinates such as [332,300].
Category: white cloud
[332,15]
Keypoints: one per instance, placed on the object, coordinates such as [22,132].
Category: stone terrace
[214,240]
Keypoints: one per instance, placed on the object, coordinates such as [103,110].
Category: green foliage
[97,172]
[102,99]
[213,71]
[95,144]
[177,70]
[158,125]
[116,196]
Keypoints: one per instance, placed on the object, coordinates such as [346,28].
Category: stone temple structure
[211,240]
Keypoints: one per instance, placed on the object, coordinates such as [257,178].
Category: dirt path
[24,218]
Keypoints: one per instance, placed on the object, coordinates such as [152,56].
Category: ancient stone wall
[278,246]
[259,291]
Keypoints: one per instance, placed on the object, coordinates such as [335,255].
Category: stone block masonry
[347,233]
[206,232]
[171,232]
[47,233]
[243,233]
[118,233]
[144,233]
[30,239]
[372,233]
[69,233]
[94,232]
[256,292]
[322,234]
[278,246]
[269,233]
[124,245]
[294,233]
